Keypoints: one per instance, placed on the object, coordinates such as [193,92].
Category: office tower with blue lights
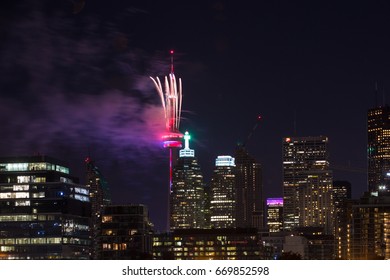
[307,184]
[248,190]
[44,211]
[100,196]
[187,201]
[378,149]
[223,193]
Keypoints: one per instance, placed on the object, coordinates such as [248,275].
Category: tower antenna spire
[170,92]
[171,52]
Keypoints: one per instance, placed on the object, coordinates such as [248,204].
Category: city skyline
[75,83]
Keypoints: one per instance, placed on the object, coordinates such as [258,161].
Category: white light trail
[171,101]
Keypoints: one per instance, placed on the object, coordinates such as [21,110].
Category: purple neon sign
[274,201]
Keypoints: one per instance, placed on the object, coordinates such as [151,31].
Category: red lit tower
[171,99]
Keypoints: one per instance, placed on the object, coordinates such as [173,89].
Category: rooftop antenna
[171,52]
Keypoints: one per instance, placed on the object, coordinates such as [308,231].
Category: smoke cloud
[72,85]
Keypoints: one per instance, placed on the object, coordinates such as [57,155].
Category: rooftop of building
[218,231]
[31,159]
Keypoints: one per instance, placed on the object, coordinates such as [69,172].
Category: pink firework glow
[171,100]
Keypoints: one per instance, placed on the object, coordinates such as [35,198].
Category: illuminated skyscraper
[222,188]
[44,211]
[366,227]
[307,184]
[378,149]
[341,201]
[249,194]
[100,196]
[275,214]
[188,196]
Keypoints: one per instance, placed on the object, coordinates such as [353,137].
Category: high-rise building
[188,195]
[249,191]
[126,232]
[341,200]
[307,184]
[366,229]
[378,149]
[222,197]
[44,211]
[100,196]
[207,205]
[275,214]
[343,229]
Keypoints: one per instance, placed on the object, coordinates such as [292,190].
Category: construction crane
[258,119]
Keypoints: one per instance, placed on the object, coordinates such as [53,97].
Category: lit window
[106,219]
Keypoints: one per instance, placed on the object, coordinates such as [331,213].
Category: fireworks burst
[171,101]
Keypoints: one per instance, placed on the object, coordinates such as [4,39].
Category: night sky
[74,81]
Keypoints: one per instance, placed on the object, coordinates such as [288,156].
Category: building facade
[100,196]
[126,233]
[378,149]
[187,200]
[209,244]
[223,194]
[248,190]
[275,214]
[343,228]
[44,211]
[367,229]
[342,191]
[307,183]
[341,199]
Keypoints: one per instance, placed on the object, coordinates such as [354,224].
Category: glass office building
[223,196]
[307,183]
[44,211]
[187,201]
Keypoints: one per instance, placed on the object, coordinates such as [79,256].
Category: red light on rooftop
[172,144]
[169,135]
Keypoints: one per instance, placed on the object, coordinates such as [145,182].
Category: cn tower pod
[172,139]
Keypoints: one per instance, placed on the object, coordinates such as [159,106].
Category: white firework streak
[171,101]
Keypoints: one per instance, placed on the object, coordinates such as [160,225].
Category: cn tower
[171,100]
